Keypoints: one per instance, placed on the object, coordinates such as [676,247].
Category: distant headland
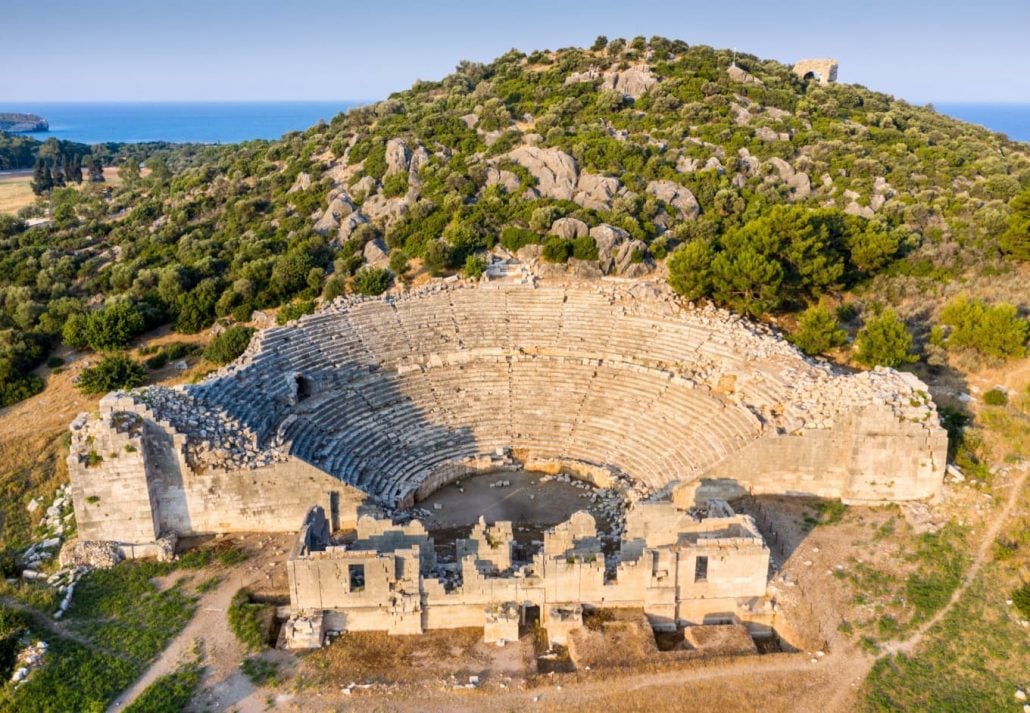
[19,123]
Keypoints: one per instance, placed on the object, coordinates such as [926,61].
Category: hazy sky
[93,50]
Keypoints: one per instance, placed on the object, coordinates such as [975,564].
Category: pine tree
[96,170]
[41,181]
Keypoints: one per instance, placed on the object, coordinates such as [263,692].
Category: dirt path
[982,554]
[207,631]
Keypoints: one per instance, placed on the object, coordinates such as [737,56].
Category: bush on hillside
[228,345]
[884,341]
[371,281]
[992,330]
[818,331]
[249,621]
[113,372]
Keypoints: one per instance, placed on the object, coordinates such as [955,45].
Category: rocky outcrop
[676,196]
[17,123]
[596,192]
[739,75]
[632,82]
[555,171]
[398,157]
[348,225]
[569,228]
[339,208]
[376,253]
[90,553]
[505,179]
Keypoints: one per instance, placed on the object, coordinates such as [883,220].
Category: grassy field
[15,192]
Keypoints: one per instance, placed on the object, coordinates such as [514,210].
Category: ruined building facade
[679,569]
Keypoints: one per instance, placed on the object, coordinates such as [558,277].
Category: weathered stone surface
[381,209]
[340,207]
[739,75]
[677,196]
[631,82]
[596,192]
[505,179]
[302,182]
[822,70]
[348,225]
[555,171]
[376,253]
[784,169]
[569,228]
[608,239]
[90,553]
[398,157]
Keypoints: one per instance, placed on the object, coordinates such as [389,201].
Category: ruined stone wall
[109,480]
[874,456]
[143,486]
[825,70]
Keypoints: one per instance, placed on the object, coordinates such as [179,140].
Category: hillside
[14,122]
[773,192]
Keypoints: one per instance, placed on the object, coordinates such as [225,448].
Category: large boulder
[555,171]
[624,264]
[632,82]
[784,169]
[677,196]
[376,253]
[339,207]
[397,156]
[596,192]
[609,239]
[505,179]
[366,186]
[382,209]
[348,225]
[569,228]
[302,182]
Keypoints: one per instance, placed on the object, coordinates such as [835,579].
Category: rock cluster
[214,439]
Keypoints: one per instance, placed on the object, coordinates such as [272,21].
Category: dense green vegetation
[168,694]
[228,345]
[217,232]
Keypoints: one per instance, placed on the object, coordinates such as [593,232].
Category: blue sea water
[181,122]
[1010,119]
[231,122]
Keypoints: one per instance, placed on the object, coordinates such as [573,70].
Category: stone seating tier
[383,392]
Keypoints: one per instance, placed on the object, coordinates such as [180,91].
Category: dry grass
[15,193]
[377,657]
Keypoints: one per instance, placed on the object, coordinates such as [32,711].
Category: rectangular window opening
[701,569]
[356,576]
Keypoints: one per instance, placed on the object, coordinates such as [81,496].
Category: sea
[178,122]
[232,122]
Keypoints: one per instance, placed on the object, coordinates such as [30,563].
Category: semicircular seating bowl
[383,393]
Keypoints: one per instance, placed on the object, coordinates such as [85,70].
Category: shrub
[396,184]
[54,362]
[995,331]
[157,361]
[1021,600]
[818,331]
[334,287]
[584,248]
[228,345]
[112,327]
[884,341]
[996,397]
[372,281]
[474,268]
[398,262]
[513,238]
[294,310]
[1015,241]
[115,371]
[557,250]
[248,621]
